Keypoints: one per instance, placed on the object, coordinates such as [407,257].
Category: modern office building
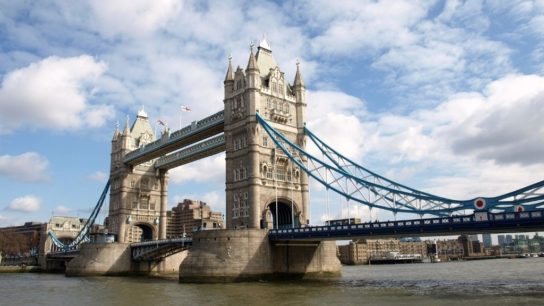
[189,216]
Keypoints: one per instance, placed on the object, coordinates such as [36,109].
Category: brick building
[360,252]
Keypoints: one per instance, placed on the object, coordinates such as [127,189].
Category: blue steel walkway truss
[363,186]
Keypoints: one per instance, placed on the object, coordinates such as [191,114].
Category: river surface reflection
[487,282]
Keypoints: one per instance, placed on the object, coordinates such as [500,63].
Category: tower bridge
[262,132]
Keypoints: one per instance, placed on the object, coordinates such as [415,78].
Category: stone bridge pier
[246,255]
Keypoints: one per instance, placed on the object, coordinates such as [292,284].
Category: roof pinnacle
[126,130]
[116,133]
[298,76]
[252,64]
[264,44]
[230,73]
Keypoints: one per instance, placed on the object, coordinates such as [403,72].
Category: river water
[486,282]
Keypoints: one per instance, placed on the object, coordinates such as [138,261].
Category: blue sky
[447,97]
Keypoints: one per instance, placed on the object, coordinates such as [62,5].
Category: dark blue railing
[478,222]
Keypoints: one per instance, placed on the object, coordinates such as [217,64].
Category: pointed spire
[230,73]
[298,76]
[263,44]
[116,133]
[126,130]
[142,113]
[252,64]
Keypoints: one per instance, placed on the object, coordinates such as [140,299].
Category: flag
[185,109]
[159,121]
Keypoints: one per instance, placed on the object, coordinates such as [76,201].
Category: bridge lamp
[156,221]
[129,219]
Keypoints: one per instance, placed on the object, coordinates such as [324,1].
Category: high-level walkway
[481,222]
[191,134]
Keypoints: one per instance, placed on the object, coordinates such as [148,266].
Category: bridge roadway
[140,251]
[197,131]
[158,249]
[480,222]
[62,256]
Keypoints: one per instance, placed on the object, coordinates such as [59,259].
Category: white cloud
[500,125]
[62,210]
[334,117]
[425,57]
[210,169]
[351,27]
[98,176]
[215,199]
[28,167]
[508,126]
[27,203]
[52,93]
[132,17]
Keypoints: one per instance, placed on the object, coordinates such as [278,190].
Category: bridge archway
[285,211]
[141,232]
[65,240]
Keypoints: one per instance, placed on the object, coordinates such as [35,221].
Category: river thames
[485,282]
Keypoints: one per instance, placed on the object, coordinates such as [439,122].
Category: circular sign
[519,208]
[479,203]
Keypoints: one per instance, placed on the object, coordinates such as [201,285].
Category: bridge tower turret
[263,188]
[136,193]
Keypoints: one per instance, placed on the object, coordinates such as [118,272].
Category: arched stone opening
[65,240]
[140,232]
[284,215]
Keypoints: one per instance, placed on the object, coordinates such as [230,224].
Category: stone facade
[449,249]
[242,255]
[360,252]
[138,194]
[471,246]
[262,186]
[101,259]
[65,229]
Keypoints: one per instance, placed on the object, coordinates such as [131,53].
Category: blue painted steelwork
[529,198]
[83,235]
[196,131]
[159,249]
[479,222]
[200,150]
[365,187]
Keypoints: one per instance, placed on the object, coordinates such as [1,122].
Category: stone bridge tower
[264,189]
[136,193]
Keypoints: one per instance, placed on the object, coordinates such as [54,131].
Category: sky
[442,96]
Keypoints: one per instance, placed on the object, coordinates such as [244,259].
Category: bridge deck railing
[162,241]
[454,220]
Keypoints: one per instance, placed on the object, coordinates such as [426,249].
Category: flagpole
[183,109]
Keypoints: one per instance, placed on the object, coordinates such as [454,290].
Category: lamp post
[201,216]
